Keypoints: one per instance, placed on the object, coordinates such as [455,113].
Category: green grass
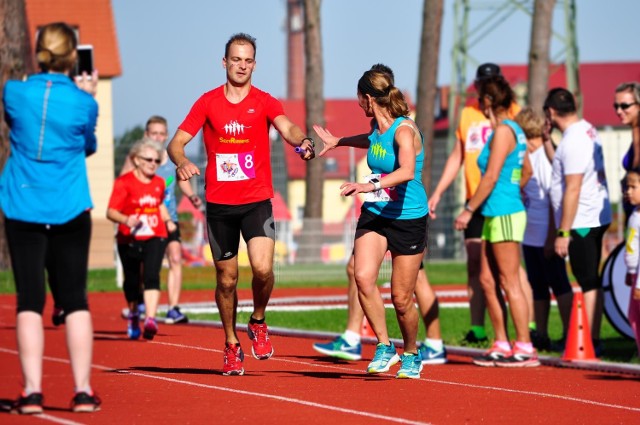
[454,323]
[296,276]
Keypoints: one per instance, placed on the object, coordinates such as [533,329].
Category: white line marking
[235,391]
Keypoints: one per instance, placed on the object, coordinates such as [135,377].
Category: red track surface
[177,379]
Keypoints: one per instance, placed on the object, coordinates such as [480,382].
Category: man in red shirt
[235,120]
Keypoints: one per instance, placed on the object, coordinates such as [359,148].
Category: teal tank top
[505,197]
[409,199]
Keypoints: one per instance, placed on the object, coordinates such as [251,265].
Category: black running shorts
[225,223]
[404,237]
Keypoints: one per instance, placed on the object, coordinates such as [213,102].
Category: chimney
[295,50]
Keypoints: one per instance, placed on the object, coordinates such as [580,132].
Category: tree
[314,104]
[14,64]
[427,79]
[539,52]
[123,146]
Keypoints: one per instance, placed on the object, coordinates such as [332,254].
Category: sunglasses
[144,158]
[623,106]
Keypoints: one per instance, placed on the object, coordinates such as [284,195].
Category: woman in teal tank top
[499,200]
[393,218]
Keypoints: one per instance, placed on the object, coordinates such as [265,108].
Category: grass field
[454,321]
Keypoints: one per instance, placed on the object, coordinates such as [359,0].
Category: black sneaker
[28,404]
[85,403]
[471,338]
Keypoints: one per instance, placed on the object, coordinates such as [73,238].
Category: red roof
[94,20]
[185,205]
[280,210]
[598,82]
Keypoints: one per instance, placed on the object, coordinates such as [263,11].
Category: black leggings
[141,258]
[585,251]
[61,249]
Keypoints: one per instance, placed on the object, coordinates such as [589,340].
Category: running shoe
[141,312]
[84,402]
[489,358]
[519,358]
[385,357]
[411,366]
[133,326]
[431,356]
[28,404]
[261,344]
[233,358]
[340,348]
[150,328]
[174,316]
[470,338]
[58,316]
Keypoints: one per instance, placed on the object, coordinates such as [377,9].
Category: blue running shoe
[133,326]
[411,366]
[385,357]
[175,316]
[340,348]
[431,356]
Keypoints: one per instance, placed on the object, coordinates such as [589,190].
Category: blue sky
[171,51]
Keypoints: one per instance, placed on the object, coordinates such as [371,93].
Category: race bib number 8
[235,166]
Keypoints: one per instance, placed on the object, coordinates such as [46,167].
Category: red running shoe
[233,358]
[261,344]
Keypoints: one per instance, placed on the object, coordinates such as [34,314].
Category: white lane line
[462,384]
[235,391]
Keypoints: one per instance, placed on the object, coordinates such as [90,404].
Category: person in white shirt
[632,250]
[580,200]
[544,268]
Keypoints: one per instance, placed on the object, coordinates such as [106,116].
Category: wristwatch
[563,233]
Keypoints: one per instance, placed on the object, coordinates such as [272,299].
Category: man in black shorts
[235,119]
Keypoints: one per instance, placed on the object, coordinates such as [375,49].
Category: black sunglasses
[623,106]
[144,158]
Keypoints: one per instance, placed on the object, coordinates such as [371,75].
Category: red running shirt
[130,196]
[236,137]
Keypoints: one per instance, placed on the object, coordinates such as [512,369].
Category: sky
[171,51]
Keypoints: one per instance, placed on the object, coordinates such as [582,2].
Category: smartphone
[85,60]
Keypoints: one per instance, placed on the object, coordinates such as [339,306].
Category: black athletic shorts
[225,223]
[474,227]
[585,251]
[63,249]
[404,237]
[174,236]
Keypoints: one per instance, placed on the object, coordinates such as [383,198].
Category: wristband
[313,144]
[376,185]
[468,208]
[563,233]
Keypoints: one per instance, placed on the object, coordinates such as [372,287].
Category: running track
[177,379]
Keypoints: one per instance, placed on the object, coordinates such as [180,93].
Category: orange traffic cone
[366,328]
[579,345]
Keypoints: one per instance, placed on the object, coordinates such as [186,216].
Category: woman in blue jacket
[44,194]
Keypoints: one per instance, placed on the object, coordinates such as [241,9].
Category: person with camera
[235,119]
[44,194]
